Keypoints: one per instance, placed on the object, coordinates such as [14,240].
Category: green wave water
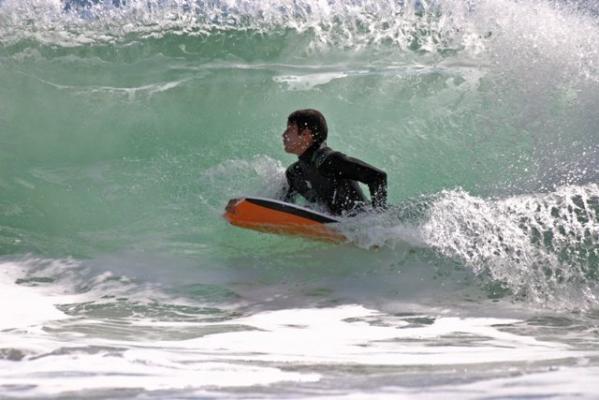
[126,126]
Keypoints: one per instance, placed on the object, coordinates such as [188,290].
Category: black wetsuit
[331,178]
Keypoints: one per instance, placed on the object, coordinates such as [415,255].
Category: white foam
[336,23]
[532,41]
[151,370]
[552,383]
[535,244]
[23,306]
[346,335]
[242,352]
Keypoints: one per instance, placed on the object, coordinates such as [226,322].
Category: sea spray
[544,247]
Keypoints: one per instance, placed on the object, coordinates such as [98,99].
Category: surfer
[322,175]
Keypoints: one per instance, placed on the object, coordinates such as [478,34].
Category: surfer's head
[311,120]
[304,128]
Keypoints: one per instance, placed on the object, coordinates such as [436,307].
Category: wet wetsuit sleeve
[345,167]
[291,191]
[289,195]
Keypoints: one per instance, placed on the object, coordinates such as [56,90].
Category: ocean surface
[127,125]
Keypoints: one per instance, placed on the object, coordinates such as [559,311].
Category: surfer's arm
[290,192]
[286,194]
[289,196]
[345,167]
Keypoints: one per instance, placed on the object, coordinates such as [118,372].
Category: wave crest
[544,247]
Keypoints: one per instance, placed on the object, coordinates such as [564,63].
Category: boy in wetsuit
[325,176]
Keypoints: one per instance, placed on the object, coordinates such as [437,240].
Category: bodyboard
[274,216]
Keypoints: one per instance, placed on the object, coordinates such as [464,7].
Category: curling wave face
[149,115]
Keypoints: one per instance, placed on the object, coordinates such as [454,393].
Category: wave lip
[356,24]
[543,247]
[541,37]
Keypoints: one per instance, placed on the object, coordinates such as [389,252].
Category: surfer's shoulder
[292,170]
[324,156]
[329,159]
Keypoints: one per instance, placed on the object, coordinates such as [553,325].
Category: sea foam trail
[542,247]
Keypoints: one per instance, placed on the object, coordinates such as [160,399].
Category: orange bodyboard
[274,216]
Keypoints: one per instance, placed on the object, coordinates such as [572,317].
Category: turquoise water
[126,126]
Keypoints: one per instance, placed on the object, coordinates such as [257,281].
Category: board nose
[230,208]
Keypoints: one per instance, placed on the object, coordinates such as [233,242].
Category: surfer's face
[297,142]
